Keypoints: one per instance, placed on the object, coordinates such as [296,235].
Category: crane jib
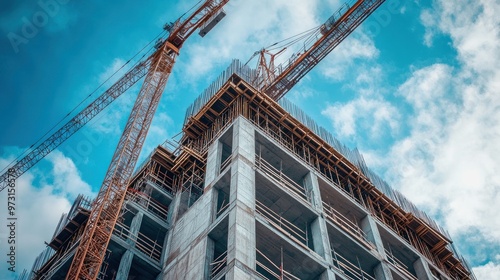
[334,31]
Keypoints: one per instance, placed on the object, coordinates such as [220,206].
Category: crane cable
[12,163]
[296,38]
[95,90]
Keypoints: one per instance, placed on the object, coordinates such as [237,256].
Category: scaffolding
[218,265]
[348,269]
[146,203]
[281,179]
[344,168]
[274,271]
[349,226]
[150,248]
[287,228]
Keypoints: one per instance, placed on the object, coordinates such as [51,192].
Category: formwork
[284,201]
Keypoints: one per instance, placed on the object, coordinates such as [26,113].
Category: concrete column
[369,226]
[134,227]
[173,210]
[236,272]
[213,162]
[320,239]
[210,257]
[327,275]
[382,272]
[241,231]
[125,264]
[312,187]
[422,269]
[318,227]
[244,139]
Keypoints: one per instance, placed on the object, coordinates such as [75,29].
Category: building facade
[255,190]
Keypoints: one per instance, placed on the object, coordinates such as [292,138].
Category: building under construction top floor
[254,189]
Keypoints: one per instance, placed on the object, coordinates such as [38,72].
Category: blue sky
[414,88]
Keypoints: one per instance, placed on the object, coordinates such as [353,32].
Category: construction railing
[399,265]
[202,144]
[144,244]
[281,179]
[349,226]
[218,265]
[158,175]
[147,203]
[349,269]
[283,225]
[274,271]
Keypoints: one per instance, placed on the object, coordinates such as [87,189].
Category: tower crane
[205,17]
[276,82]
[106,207]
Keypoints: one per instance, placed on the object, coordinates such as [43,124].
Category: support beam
[213,162]
[383,272]
[135,226]
[422,269]
[369,226]
[318,227]
[125,264]
[241,242]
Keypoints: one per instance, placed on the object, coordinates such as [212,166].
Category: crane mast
[106,207]
[330,34]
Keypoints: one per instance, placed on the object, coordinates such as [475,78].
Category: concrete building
[256,190]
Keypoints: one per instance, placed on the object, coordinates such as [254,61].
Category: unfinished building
[254,189]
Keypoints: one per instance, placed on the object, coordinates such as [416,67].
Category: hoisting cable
[85,99]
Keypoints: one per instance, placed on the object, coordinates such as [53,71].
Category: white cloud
[113,71]
[39,206]
[110,120]
[157,134]
[458,136]
[489,271]
[357,46]
[449,162]
[428,20]
[375,115]
[247,28]
[66,176]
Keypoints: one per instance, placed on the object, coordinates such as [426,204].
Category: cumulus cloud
[158,133]
[66,177]
[449,163]
[248,28]
[41,198]
[113,71]
[376,115]
[490,270]
[109,121]
[356,47]
[428,20]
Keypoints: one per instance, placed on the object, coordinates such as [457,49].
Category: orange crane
[105,210]
[205,18]
[276,82]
